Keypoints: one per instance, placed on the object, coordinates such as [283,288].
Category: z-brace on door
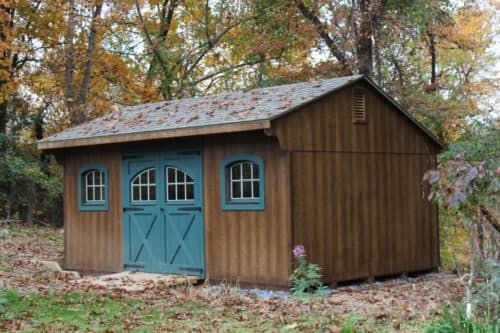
[163,212]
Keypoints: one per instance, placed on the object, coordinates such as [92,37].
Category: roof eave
[155,135]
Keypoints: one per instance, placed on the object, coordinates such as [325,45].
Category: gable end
[332,123]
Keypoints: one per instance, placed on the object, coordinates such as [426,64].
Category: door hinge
[197,209]
[133,266]
[132,209]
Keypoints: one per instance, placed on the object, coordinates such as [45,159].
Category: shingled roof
[255,108]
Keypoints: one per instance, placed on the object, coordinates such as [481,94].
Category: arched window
[180,185]
[242,183]
[93,188]
[143,186]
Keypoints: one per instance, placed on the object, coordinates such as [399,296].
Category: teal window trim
[98,205]
[241,204]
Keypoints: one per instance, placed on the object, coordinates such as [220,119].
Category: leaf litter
[392,302]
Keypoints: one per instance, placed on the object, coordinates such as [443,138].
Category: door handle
[197,209]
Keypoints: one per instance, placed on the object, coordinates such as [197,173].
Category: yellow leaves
[6,90]
[471,29]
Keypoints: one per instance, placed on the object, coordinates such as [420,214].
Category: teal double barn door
[163,212]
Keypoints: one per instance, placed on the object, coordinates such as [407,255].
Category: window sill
[94,208]
[243,205]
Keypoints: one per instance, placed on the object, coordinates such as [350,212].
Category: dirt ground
[392,301]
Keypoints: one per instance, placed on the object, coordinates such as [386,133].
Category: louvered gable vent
[358,106]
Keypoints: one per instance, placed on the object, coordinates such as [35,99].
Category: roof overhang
[156,135]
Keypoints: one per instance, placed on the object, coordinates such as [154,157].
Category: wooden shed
[224,186]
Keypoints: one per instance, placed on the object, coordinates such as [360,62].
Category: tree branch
[322,31]
[225,69]
[154,48]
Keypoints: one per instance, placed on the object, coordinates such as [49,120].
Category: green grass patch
[88,311]
[64,312]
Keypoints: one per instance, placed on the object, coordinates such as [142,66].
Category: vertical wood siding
[93,240]
[248,246]
[358,202]
[363,215]
[326,125]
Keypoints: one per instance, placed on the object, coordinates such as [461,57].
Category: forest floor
[33,298]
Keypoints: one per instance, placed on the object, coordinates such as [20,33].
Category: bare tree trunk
[3,116]
[432,51]
[69,62]
[38,128]
[378,60]
[364,39]
[167,13]
[84,89]
[81,99]
[377,16]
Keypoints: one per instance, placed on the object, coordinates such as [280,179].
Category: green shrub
[30,183]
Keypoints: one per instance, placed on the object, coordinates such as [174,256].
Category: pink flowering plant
[306,277]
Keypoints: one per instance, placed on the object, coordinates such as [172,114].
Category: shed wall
[248,246]
[93,239]
[363,215]
[358,202]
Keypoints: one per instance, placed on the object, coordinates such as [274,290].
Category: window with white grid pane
[242,182]
[93,188]
[143,186]
[244,178]
[180,186]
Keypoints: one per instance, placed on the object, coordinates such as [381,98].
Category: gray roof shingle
[258,104]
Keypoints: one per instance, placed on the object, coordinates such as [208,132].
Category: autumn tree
[191,45]
[431,55]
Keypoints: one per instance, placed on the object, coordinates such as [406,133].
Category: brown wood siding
[357,198]
[326,125]
[248,246]
[363,215]
[93,240]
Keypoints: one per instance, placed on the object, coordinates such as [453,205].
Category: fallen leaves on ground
[392,303]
